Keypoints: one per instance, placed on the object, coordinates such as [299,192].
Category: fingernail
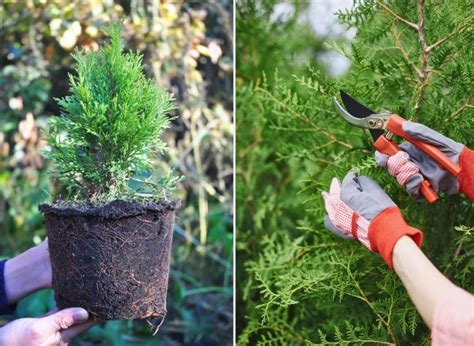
[80,315]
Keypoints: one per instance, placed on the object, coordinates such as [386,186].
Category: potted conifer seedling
[110,243]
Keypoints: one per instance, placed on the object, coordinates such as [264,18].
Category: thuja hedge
[302,284]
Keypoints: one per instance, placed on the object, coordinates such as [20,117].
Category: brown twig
[449,270]
[458,30]
[396,16]
[423,72]
[461,109]
[257,140]
[399,44]
[424,59]
[306,120]
[362,296]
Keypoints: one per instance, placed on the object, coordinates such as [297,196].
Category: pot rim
[114,209]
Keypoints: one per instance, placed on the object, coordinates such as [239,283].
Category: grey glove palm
[362,195]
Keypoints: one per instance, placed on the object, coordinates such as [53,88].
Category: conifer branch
[399,44]
[364,298]
[461,109]
[356,342]
[458,30]
[305,119]
[424,59]
[460,243]
[310,248]
[423,72]
[277,328]
[448,271]
[396,16]
[257,140]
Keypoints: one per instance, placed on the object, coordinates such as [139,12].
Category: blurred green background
[187,47]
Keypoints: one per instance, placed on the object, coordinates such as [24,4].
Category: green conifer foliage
[109,127]
[303,285]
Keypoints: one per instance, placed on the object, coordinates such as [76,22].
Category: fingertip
[349,179]
[351,175]
[64,319]
[335,187]
[80,315]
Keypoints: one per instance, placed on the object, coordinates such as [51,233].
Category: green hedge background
[297,283]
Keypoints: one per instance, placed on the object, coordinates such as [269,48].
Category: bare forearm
[26,273]
[425,285]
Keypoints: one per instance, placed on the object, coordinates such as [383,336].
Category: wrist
[387,229]
[402,252]
[41,265]
[26,273]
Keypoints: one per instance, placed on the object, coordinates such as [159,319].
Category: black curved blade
[359,110]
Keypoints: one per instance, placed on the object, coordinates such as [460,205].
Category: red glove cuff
[386,229]
[466,177]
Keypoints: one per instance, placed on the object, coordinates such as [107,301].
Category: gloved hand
[407,164]
[360,209]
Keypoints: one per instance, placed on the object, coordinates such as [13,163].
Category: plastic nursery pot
[112,260]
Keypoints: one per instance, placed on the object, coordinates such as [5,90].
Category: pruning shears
[382,126]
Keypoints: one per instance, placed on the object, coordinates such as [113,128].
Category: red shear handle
[388,147]
[394,125]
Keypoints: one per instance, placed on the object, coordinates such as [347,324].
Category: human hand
[55,328]
[361,210]
[28,272]
[407,165]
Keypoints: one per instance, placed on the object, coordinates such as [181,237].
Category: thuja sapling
[110,244]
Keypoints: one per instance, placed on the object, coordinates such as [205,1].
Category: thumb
[64,319]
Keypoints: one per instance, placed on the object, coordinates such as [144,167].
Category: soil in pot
[112,260]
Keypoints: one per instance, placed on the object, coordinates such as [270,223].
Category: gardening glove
[407,164]
[361,210]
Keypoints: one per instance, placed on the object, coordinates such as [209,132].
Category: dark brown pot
[113,260]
